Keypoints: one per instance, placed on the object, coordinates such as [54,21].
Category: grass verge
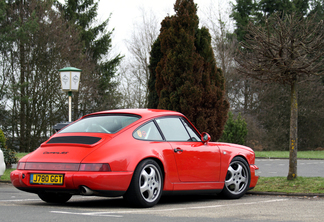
[20,155]
[299,185]
[285,154]
[6,174]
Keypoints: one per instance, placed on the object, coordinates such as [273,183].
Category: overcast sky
[125,13]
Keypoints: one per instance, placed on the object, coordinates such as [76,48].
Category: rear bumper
[254,177]
[102,183]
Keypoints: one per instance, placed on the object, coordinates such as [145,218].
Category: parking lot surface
[16,205]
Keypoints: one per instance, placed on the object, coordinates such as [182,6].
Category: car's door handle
[178,149]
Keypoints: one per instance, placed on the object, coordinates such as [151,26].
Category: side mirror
[205,137]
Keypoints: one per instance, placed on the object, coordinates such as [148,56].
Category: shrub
[9,155]
[235,131]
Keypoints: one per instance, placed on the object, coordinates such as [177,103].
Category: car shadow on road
[87,202]
[119,202]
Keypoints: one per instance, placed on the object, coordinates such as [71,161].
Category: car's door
[196,161]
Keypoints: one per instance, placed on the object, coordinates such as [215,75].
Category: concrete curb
[4,181]
[286,194]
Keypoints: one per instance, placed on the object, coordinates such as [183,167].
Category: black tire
[55,197]
[237,179]
[146,186]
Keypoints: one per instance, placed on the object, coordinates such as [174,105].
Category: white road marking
[117,213]
[87,214]
[20,200]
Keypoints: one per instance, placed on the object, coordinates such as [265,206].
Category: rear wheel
[55,197]
[146,186]
[237,179]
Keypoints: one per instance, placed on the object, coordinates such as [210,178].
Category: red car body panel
[185,165]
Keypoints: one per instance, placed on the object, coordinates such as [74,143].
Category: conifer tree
[155,57]
[187,78]
[97,44]
[242,12]
[245,11]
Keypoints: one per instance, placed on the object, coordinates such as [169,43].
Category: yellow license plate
[48,179]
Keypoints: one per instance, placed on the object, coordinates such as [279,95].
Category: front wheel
[55,197]
[146,186]
[237,179]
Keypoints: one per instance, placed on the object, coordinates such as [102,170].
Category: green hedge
[235,130]
[9,155]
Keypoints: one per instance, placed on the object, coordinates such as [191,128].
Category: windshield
[101,124]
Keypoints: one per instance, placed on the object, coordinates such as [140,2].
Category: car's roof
[146,113]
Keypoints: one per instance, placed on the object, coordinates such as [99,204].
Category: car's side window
[148,132]
[173,129]
[193,134]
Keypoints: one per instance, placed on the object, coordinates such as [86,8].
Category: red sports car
[138,154]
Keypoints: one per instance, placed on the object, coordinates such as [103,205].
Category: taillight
[95,167]
[21,165]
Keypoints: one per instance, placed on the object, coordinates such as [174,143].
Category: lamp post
[70,79]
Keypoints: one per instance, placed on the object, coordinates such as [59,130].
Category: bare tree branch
[293,50]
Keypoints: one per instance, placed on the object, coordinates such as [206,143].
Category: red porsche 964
[139,154]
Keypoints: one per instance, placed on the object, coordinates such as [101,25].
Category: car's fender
[229,151]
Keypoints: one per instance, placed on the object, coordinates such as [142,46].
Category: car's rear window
[101,124]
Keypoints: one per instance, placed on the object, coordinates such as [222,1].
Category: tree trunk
[22,111]
[292,174]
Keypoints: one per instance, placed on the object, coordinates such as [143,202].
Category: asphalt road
[280,167]
[16,205]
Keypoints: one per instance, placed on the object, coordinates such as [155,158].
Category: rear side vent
[88,140]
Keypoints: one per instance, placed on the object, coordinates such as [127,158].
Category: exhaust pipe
[86,191]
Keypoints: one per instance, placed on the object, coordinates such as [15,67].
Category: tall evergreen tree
[245,11]
[97,44]
[268,7]
[187,78]
[155,56]
[36,42]
[5,44]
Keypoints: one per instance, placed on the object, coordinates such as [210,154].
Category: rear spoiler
[60,126]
